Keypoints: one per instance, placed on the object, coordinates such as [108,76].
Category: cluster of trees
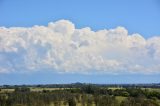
[125,92]
[86,95]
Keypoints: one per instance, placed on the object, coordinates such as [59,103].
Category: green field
[33,89]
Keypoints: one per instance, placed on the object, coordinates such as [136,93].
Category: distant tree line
[78,85]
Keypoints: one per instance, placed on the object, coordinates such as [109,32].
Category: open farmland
[79,95]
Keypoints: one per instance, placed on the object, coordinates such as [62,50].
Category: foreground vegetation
[83,95]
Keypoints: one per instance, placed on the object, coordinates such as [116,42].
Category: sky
[93,41]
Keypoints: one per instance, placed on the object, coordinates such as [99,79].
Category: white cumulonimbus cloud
[62,48]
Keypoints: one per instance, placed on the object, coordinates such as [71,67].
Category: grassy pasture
[6,90]
[33,89]
[152,89]
[120,98]
[38,89]
[114,88]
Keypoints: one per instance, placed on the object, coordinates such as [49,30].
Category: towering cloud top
[62,48]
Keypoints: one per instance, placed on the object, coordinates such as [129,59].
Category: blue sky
[134,16]
[45,78]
